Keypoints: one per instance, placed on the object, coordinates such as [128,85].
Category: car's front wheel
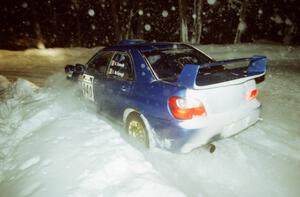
[135,127]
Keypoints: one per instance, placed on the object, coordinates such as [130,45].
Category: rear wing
[257,67]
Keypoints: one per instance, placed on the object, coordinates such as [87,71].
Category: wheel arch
[150,130]
[127,112]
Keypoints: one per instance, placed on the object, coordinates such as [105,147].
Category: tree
[117,32]
[290,31]
[77,5]
[183,21]
[122,20]
[241,28]
[139,31]
[128,27]
[40,42]
[197,23]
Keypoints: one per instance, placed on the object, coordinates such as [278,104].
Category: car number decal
[87,86]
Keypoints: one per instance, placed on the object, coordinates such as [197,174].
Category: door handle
[123,88]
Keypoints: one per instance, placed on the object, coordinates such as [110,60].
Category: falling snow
[141,12]
[147,27]
[91,12]
[211,2]
[165,13]
[277,19]
[242,26]
[24,5]
[287,21]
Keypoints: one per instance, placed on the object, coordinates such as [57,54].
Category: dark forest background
[89,23]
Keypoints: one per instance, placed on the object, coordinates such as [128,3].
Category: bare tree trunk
[183,21]
[139,33]
[77,7]
[40,40]
[241,28]
[129,33]
[289,31]
[37,29]
[117,32]
[197,25]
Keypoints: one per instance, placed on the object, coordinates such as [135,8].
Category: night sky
[89,23]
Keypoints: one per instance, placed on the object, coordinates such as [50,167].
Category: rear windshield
[168,63]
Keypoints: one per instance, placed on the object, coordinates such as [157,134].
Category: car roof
[144,46]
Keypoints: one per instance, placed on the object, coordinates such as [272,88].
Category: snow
[59,150]
[40,45]
[30,189]
[4,83]
[24,5]
[54,143]
[277,19]
[165,13]
[91,12]
[242,26]
[287,21]
[211,2]
[29,163]
[147,27]
[141,12]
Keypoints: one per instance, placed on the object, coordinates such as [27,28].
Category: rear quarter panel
[151,99]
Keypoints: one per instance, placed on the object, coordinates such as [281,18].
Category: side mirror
[69,68]
[74,71]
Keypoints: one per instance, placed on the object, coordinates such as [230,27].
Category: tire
[135,127]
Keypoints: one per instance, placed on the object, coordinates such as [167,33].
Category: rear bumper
[207,135]
[184,136]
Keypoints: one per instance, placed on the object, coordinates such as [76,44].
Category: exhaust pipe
[210,147]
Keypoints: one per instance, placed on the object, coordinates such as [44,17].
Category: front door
[120,77]
[94,80]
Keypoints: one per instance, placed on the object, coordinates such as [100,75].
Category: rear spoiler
[257,67]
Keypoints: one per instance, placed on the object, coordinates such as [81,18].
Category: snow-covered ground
[54,143]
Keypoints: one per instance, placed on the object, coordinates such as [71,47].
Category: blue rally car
[172,95]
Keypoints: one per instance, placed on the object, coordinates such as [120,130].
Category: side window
[121,67]
[101,62]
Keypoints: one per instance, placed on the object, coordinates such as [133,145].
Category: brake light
[252,94]
[181,110]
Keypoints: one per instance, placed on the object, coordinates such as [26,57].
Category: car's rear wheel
[135,127]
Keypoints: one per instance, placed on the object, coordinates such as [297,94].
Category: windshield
[168,63]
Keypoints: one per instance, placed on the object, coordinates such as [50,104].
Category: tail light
[252,94]
[182,110]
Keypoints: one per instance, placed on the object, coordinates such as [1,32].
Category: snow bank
[4,83]
[36,65]
[274,53]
